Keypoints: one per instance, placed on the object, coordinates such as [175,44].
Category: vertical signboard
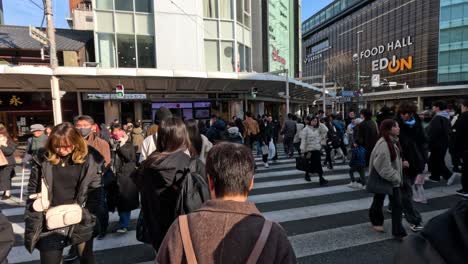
[280,31]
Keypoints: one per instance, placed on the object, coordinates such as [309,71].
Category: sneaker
[363,187]
[452,179]
[462,193]
[266,165]
[71,256]
[416,228]
[350,185]
[122,230]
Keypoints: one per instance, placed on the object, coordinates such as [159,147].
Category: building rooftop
[333,10]
[17,37]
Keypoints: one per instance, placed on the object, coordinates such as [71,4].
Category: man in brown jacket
[227,228]
[251,130]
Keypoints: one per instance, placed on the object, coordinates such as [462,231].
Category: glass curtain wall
[125,33]
[453,41]
[220,25]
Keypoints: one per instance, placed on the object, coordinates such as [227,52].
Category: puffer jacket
[89,194]
[380,160]
[137,138]
[312,137]
[297,137]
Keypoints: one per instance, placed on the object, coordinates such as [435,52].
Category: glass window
[444,59]
[248,59]
[247,20]
[210,8]
[145,24]
[456,35]
[444,36]
[445,13]
[227,56]
[247,6]
[144,6]
[239,11]
[457,12]
[104,4]
[226,9]
[211,55]
[105,21]
[455,57]
[241,57]
[124,5]
[126,51]
[106,50]
[146,58]
[124,23]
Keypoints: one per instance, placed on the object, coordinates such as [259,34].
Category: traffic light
[253,92]
[120,91]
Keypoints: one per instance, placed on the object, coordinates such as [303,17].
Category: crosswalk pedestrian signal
[119,91]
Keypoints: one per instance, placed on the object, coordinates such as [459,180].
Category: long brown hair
[66,134]
[385,132]
[172,137]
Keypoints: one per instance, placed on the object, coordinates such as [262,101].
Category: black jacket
[443,240]
[367,137]
[266,132]
[438,133]
[155,181]
[414,146]
[123,195]
[88,194]
[461,134]
[7,238]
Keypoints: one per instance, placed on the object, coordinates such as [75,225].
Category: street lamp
[356,58]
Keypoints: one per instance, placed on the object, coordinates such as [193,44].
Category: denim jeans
[362,174]
[124,219]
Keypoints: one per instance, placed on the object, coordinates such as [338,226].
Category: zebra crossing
[326,224]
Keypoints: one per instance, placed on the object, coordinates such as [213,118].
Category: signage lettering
[391,46]
[276,57]
[394,65]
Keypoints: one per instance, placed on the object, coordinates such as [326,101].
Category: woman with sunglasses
[71,171]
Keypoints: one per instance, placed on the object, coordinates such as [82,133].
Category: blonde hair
[66,133]
[151,130]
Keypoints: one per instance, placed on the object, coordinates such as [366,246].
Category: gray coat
[380,160]
[289,129]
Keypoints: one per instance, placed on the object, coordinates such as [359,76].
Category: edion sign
[276,57]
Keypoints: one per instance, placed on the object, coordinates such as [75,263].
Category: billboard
[281,35]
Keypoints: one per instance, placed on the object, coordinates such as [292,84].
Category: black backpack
[193,188]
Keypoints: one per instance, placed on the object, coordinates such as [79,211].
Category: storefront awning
[154,81]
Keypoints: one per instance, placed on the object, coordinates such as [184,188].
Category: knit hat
[162,114]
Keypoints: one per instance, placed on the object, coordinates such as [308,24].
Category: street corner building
[197,58]
[381,52]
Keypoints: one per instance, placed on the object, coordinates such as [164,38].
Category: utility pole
[358,81]
[286,73]
[324,90]
[54,82]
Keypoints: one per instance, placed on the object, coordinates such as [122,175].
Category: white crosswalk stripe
[315,218]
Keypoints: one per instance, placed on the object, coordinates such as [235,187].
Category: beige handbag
[57,216]
[3,160]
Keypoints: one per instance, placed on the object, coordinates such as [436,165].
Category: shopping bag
[419,195]
[302,163]
[271,149]
[264,150]
[3,160]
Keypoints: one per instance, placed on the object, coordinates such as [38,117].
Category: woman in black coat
[367,133]
[123,194]
[157,181]
[7,147]
[72,174]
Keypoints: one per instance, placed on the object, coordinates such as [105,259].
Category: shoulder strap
[262,239]
[187,240]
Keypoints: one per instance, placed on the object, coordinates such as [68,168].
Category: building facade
[350,41]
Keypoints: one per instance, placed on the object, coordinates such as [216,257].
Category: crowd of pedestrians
[205,169]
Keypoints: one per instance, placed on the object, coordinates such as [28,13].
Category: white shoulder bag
[57,216]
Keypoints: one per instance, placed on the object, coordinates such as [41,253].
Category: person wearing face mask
[70,171]
[7,150]
[123,195]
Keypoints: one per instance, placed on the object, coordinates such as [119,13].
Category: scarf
[444,114]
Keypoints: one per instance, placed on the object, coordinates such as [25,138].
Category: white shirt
[148,147]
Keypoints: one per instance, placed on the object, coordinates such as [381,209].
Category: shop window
[145,6]
[106,50]
[210,8]
[227,56]
[104,4]
[146,58]
[211,55]
[126,51]
[124,5]
[226,9]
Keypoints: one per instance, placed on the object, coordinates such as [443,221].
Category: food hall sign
[392,64]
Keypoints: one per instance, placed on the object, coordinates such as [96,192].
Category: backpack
[193,189]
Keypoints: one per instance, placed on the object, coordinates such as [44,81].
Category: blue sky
[24,13]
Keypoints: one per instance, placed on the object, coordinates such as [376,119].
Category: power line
[194,20]
[38,6]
